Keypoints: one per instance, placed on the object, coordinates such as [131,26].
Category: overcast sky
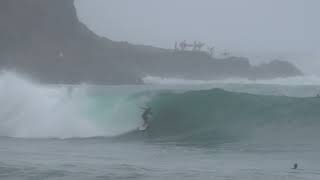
[283,28]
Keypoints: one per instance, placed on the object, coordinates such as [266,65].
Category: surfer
[295,166]
[146,115]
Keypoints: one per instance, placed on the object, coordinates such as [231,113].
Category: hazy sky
[265,27]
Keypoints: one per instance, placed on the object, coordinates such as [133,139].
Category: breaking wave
[217,114]
[299,80]
[30,110]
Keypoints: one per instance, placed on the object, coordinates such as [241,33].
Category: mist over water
[245,28]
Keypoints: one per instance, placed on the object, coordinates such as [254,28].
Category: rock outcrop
[45,39]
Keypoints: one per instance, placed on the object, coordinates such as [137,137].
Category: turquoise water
[214,131]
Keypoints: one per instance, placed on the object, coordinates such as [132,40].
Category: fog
[262,30]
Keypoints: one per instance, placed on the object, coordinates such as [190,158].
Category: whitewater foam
[299,80]
[31,110]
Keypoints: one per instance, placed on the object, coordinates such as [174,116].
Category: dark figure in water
[295,166]
[146,115]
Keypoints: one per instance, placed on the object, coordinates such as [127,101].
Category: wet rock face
[40,16]
[45,39]
[30,21]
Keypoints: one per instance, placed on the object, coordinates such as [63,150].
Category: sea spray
[30,110]
[293,81]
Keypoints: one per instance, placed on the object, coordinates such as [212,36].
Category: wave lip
[298,80]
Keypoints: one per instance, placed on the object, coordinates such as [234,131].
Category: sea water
[198,131]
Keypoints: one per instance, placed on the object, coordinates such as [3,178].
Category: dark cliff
[45,39]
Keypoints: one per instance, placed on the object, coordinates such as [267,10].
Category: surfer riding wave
[146,116]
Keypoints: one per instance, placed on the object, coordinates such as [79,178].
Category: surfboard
[143,127]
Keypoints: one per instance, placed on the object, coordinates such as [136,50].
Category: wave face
[30,110]
[214,114]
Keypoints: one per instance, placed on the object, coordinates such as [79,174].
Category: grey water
[77,159]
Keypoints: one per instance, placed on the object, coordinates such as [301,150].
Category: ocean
[222,130]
